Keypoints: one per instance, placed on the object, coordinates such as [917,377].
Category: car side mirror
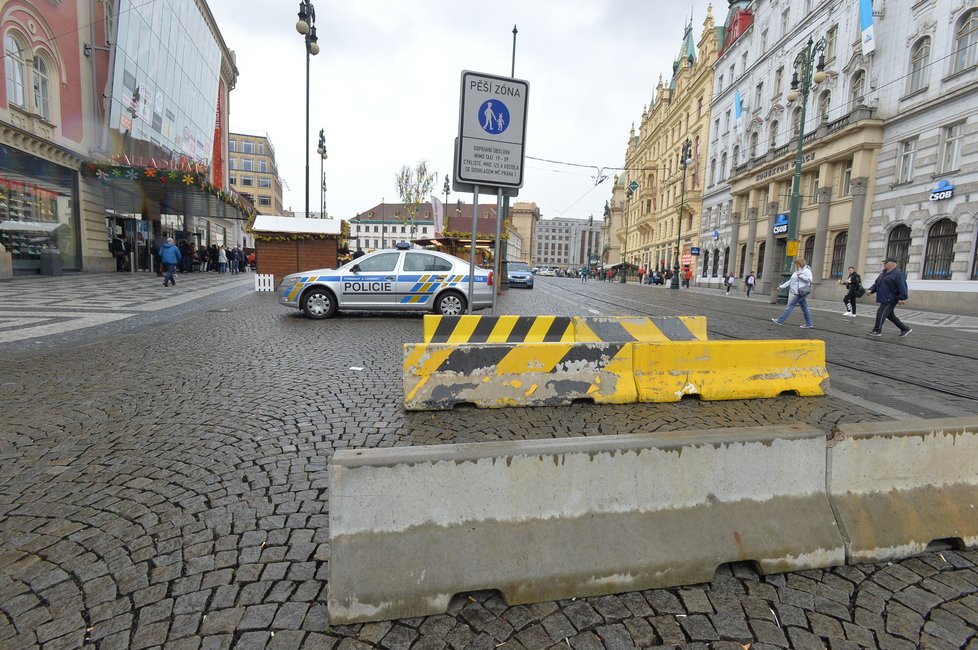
[355,268]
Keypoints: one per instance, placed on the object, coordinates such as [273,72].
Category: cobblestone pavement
[166,486]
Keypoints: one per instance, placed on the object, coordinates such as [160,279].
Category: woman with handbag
[854,290]
[799,285]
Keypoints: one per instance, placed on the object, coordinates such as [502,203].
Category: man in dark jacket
[890,290]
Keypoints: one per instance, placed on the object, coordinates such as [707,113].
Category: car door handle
[390,277]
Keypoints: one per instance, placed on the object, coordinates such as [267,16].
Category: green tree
[414,187]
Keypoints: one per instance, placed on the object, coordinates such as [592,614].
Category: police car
[389,280]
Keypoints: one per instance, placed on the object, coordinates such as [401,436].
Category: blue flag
[738,111]
[866,25]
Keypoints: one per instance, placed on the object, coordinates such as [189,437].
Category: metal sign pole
[497,263]
[475,216]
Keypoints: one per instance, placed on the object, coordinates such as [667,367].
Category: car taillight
[490,278]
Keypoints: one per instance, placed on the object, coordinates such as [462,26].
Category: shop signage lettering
[783,167]
[943,191]
[183,164]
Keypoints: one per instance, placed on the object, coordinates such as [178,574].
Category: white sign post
[489,152]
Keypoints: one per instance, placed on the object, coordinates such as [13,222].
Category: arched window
[774,134]
[713,171]
[42,102]
[898,246]
[723,166]
[810,249]
[726,261]
[824,101]
[706,262]
[919,60]
[838,254]
[743,259]
[940,250]
[753,145]
[14,68]
[736,156]
[760,260]
[966,42]
[716,263]
[795,122]
[856,87]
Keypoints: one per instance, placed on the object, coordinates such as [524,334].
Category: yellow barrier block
[715,370]
[653,329]
[498,329]
[495,375]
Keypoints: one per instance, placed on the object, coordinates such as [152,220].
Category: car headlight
[290,281]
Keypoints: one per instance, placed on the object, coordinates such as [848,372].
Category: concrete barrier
[656,328]
[492,375]
[550,519]
[715,370]
[498,329]
[897,486]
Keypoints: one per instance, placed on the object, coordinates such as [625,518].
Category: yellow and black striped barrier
[498,329]
[655,328]
[443,375]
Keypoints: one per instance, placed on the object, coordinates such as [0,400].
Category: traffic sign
[491,132]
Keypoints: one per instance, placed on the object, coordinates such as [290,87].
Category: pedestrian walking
[890,290]
[854,289]
[750,283]
[222,259]
[730,283]
[583,274]
[169,257]
[799,285]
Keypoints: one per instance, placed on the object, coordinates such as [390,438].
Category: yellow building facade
[662,210]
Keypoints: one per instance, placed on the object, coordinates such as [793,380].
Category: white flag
[438,210]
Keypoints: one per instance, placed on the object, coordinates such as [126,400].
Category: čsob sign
[780,224]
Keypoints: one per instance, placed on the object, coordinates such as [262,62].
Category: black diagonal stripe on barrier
[591,352]
[521,329]
[609,330]
[483,329]
[557,329]
[465,359]
[446,325]
[674,329]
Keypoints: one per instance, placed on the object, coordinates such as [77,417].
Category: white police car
[389,280]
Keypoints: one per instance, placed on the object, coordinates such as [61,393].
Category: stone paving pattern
[167,487]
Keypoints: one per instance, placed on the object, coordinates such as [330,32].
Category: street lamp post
[800,87]
[624,247]
[590,224]
[321,150]
[444,210]
[306,25]
[685,159]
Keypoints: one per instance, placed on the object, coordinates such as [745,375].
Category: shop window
[743,259]
[940,250]
[760,260]
[14,68]
[919,60]
[838,254]
[716,264]
[42,103]
[809,249]
[706,262]
[974,263]
[898,245]
[966,42]
[726,261]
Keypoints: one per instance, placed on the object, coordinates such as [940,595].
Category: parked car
[519,274]
[389,280]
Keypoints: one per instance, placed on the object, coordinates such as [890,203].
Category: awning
[30,226]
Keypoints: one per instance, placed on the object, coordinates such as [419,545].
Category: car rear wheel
[450,303]
[318,303]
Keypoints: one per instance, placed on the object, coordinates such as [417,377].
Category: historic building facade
[661,213]
[925,209]
[252,171]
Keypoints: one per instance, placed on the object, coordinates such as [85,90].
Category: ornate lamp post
[624,247]
[800,87]
[321,150]
[685,159]
[306,25]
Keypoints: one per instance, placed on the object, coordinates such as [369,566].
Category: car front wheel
[450,304]
[318,303]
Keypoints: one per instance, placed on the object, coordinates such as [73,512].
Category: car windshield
[519,266]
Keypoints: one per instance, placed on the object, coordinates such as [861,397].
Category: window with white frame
[713,171]
[265,183]
[951,147]
[856,89]
[716,128]
[726,123]
[264,201]
[966,42]
[753,145]
[723,166]
[847,178]
[42,103]
[764,41]
[778,80]
[919,60]
[907,154]
[759,95]
[785,21]
[831,42]
[774,134]
[14,67]
[796,122]
[719,84]
[247,181]
[824,102]
[248,147]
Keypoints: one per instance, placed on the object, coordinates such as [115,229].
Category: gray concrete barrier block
[550,519]
[897,486]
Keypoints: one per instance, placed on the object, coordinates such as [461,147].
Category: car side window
[425,263]
[383,263]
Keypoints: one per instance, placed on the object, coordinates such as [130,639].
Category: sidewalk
[40,306]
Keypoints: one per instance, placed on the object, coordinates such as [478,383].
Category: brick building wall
[280,258]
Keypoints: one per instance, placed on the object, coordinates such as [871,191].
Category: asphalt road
[164,476]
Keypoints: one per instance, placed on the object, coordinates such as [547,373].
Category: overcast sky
[385,87]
